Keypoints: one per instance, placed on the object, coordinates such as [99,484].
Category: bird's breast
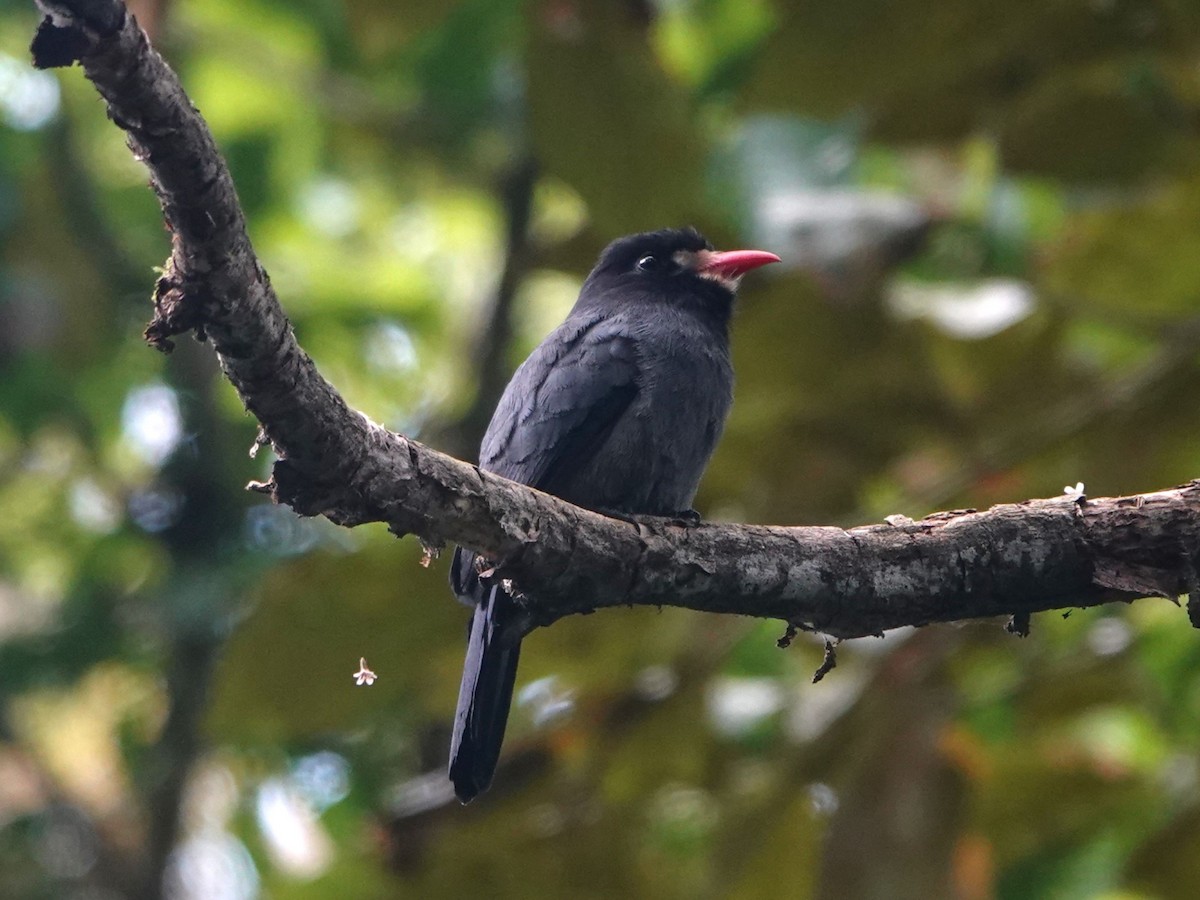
[652,460]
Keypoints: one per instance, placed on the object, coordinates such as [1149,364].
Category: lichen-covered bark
[333,461]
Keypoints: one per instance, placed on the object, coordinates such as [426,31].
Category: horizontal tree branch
[333,461]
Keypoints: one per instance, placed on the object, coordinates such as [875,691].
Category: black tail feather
[484,698]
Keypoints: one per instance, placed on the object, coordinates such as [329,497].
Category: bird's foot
[688,518]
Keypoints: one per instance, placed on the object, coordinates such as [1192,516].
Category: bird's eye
[648,264]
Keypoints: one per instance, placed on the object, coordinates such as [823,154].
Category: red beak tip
[735,263]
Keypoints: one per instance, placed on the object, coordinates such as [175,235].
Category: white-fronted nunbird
[617,410]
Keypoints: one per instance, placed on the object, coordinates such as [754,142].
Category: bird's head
[672,264]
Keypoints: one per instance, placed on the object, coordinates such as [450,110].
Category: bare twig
[495,337]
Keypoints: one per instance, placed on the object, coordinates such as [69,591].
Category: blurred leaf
[606,119]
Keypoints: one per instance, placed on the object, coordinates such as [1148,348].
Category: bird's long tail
[484,698]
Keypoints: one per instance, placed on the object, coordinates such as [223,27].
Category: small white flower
[364,675]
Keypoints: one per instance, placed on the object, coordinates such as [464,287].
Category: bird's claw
[688,518]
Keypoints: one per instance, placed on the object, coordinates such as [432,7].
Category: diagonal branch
[333,461]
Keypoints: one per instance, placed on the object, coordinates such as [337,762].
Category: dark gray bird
[617,410]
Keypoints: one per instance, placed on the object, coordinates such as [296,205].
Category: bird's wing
[555,414]
[562,403]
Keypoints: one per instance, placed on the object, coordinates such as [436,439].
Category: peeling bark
[1010,560]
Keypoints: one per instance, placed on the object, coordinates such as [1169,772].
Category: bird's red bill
[734,264]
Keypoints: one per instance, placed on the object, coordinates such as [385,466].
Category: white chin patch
[729,283]
[696,260]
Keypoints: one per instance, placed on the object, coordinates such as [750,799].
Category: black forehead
[626,251]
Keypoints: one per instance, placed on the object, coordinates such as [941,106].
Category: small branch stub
[788,636]
[828,663]
[1018,624]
